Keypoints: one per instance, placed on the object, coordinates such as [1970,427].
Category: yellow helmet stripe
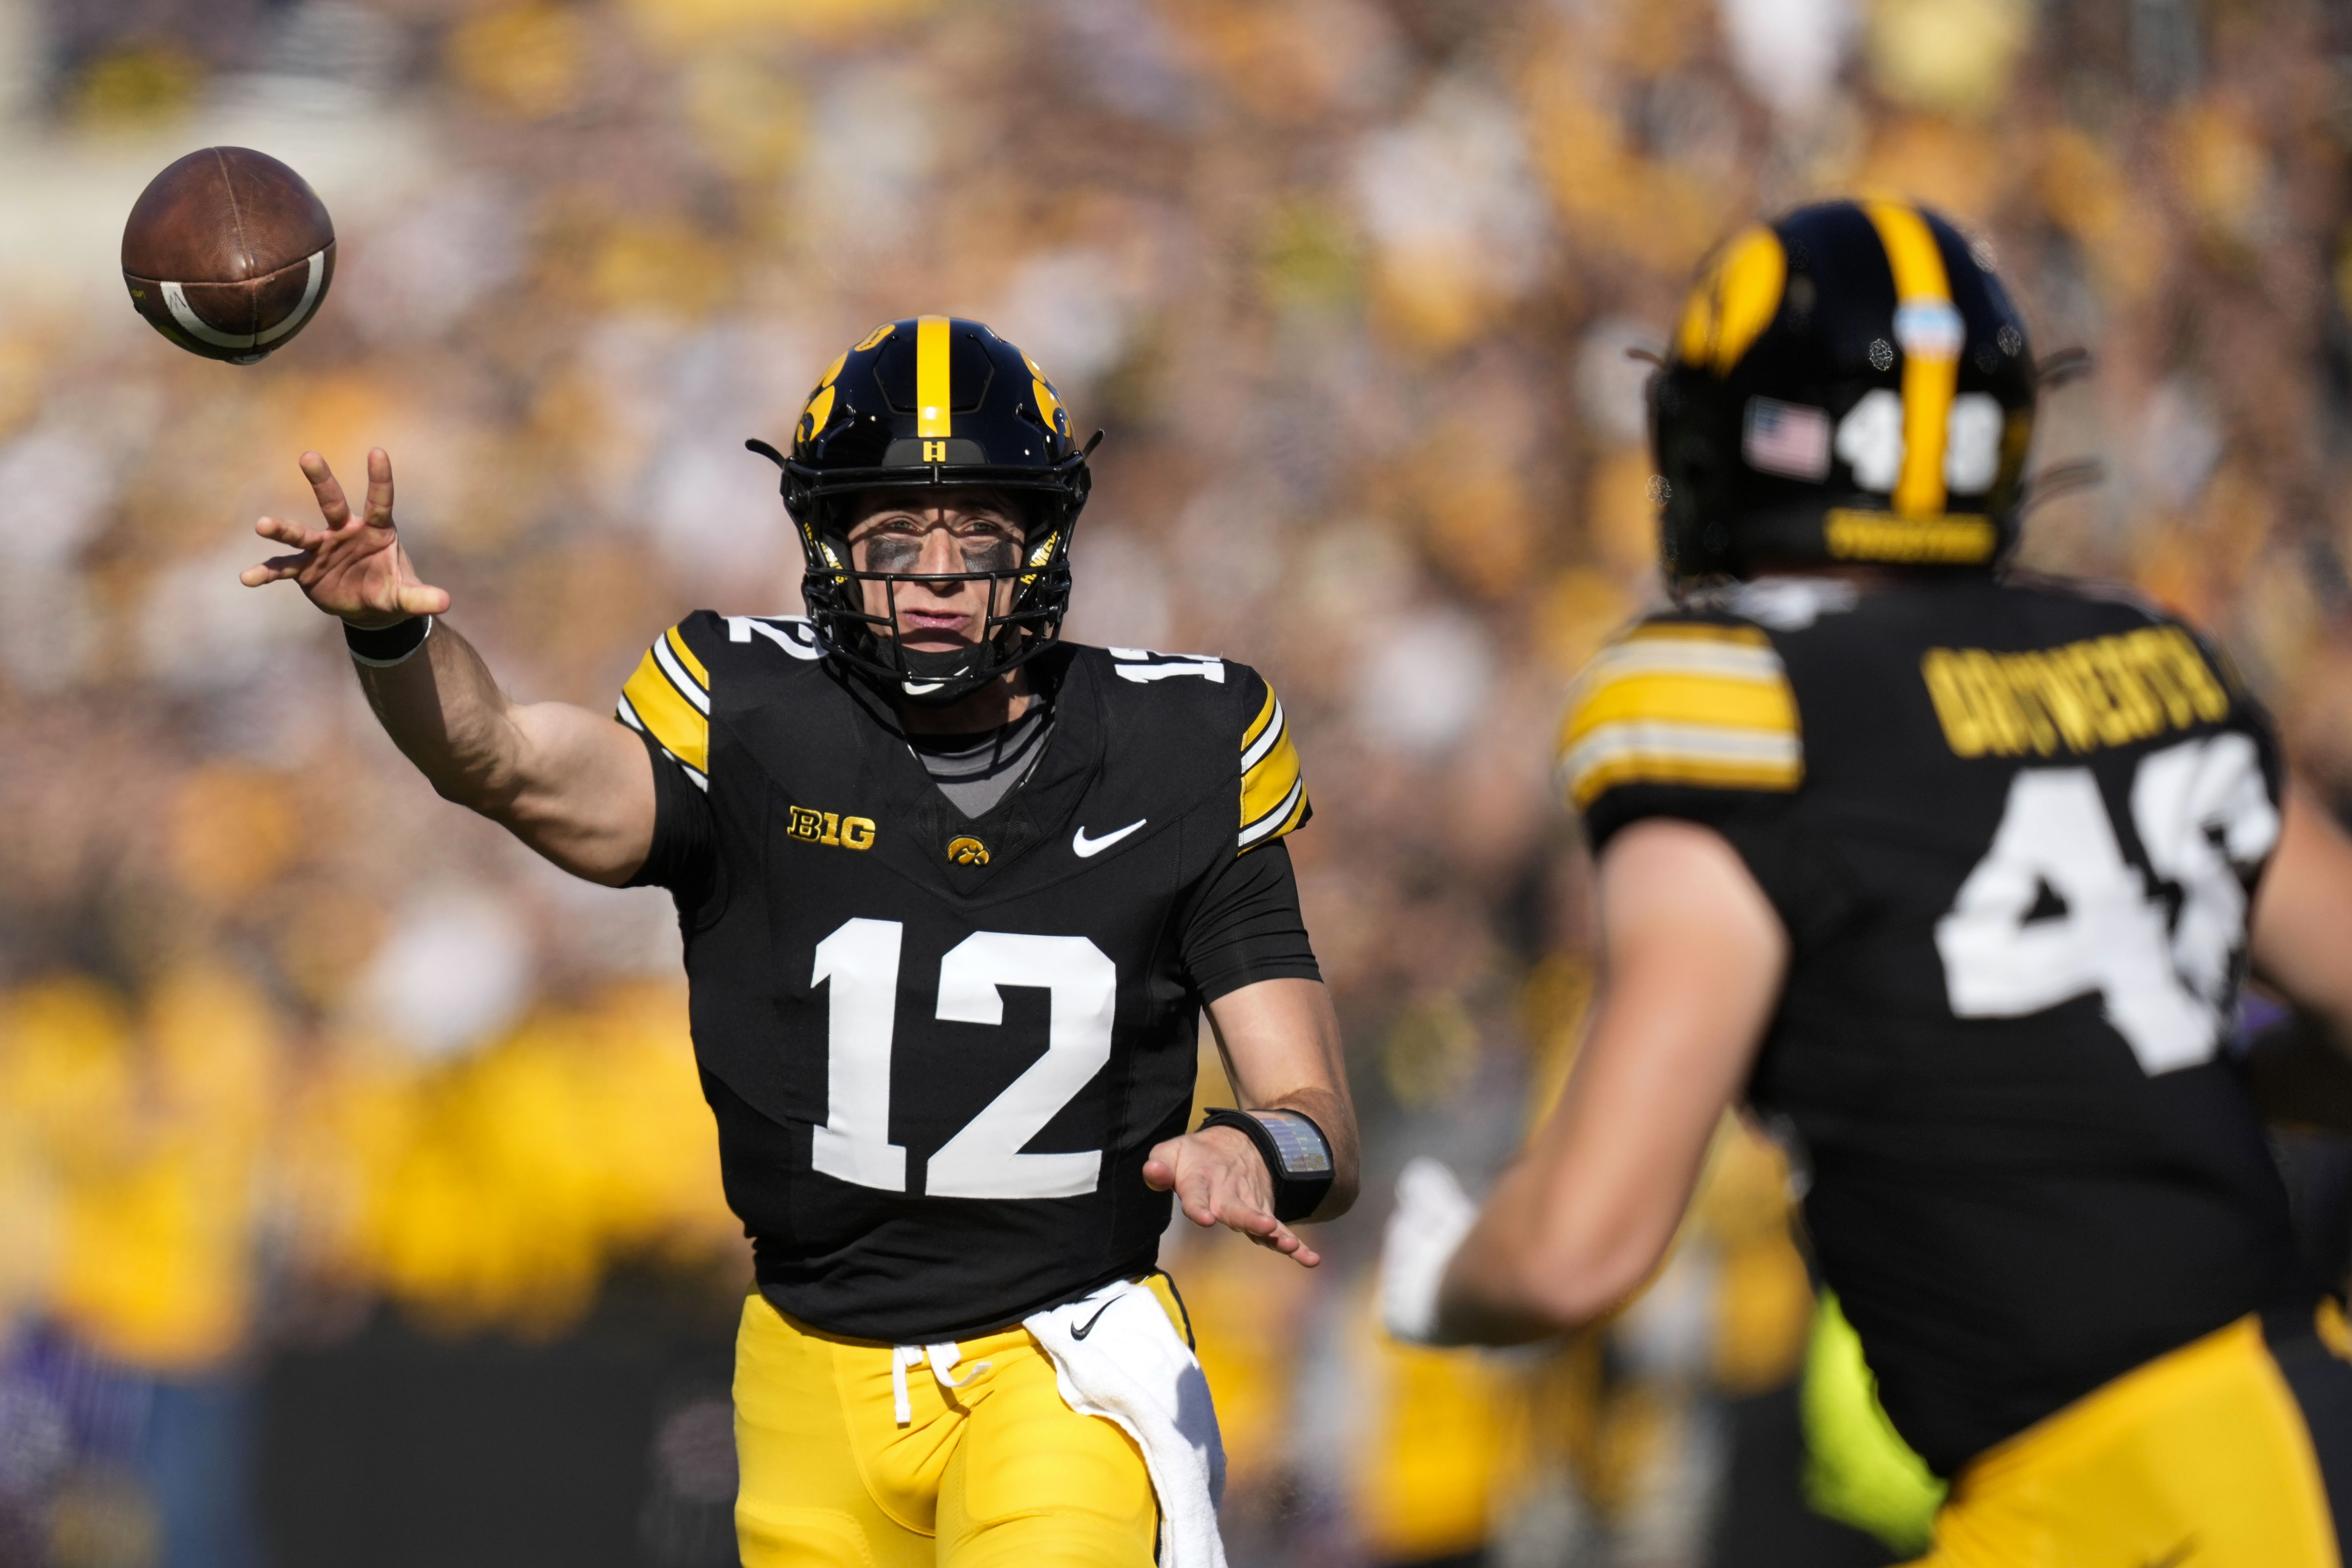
[934,400]
[1931,356]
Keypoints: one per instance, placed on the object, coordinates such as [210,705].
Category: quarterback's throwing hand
[353,566]
[1220,1178]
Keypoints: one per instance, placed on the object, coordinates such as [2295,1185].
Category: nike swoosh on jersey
[1086,847]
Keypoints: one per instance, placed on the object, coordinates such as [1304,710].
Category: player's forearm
[1280,1039]
[444,711]
[574,784]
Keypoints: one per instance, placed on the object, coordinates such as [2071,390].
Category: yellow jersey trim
[1681,705]
[669,698]
[1273,789]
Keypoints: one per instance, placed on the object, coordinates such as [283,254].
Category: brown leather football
[228,253]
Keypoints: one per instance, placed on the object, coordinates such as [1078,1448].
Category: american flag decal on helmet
[1786,438]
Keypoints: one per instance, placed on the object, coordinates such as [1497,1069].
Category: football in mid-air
[228,253]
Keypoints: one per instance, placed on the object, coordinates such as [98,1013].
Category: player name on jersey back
[2077,697]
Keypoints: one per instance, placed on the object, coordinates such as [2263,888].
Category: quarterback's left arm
[1280,1041]
[1693,954]
[1246,950]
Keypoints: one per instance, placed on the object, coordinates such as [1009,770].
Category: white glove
[1432,1214]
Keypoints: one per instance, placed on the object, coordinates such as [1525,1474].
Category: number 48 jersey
[2013,830]
[939,1048]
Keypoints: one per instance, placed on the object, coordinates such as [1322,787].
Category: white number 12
[2202,813]
[860,960]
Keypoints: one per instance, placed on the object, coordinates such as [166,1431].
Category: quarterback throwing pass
[955,893]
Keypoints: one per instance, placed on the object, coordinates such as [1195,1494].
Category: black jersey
[2013,830]
[939,1048]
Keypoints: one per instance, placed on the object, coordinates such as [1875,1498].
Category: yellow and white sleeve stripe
[670,699]
[1274,792]
[1682,704]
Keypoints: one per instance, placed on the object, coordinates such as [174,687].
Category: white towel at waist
[1117,1356]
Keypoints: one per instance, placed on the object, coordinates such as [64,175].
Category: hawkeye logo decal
[830,829]
[1086,848]
[966,851]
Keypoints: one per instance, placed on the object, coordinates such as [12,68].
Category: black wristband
[1297,1155]
[384,646]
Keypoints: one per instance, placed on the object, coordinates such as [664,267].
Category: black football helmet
[934,400]
[1850,383]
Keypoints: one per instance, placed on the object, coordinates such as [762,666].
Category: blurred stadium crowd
[286,1042]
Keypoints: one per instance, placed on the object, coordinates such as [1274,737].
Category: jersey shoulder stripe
[1274,787]
[669,698]
[1681,703]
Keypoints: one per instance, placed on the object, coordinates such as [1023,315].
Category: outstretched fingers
[379,494]
[278,531]
[330,489]
[277,568]
[1195,1195]
[1286,1241]
[1206,1201]
[1270,1233]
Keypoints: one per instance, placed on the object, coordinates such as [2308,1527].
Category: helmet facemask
[1030,579]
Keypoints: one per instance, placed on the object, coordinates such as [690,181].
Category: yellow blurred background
[289,1050]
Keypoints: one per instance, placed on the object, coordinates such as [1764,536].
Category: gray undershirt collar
[977,771]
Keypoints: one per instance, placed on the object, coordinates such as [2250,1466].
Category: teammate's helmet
[934,400]
[1851,383]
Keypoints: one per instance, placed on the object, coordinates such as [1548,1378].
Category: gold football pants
[996,1473]
[2217,1455]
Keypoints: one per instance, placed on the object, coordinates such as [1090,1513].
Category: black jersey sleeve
[1243,926]
[684,853]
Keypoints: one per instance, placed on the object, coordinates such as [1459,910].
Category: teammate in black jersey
[1953,874]
[954,893]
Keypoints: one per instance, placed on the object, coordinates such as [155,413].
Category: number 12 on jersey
[860,963]
[2202,816]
